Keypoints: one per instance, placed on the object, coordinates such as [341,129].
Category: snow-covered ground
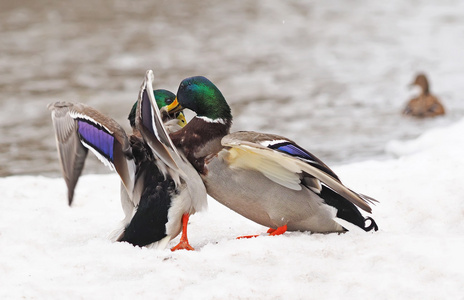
[51,251]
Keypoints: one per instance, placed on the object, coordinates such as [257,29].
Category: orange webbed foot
[280,230]
[183,243]
[272,232]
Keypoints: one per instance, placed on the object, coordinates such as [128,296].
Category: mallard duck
[159,189]
[425,105]
[266,178]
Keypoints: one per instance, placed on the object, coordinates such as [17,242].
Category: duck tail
[372,225]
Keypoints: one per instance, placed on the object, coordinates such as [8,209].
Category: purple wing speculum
[296,151]
[96,137]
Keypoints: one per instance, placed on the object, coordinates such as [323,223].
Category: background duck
[425,105]
[156,196]
[266,178]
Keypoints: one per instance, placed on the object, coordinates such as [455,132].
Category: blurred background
[331,75]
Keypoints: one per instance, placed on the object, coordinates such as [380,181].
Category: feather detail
[78,128]
[246,158]
[209,120]
[154,133]
[108,162]
[289,164]
[71,152]
[171,162]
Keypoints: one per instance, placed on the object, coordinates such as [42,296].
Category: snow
[51,251]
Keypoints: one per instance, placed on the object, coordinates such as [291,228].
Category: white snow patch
[49,250]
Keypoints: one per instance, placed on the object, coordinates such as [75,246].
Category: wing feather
[150,124]
[78,128]
[245,149]
[71,152]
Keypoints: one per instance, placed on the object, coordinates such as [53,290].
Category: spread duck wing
[78,128]
[170,161]
[149,122]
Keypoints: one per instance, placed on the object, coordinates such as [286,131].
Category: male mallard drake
[425,105]
[266,178]
[159,189]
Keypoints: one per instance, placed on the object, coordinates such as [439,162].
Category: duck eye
[169,101]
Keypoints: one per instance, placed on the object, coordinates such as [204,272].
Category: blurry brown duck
[425,105]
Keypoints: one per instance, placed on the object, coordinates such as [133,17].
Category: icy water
[331,75]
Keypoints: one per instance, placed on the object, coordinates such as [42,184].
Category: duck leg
[272,232]
[183,243]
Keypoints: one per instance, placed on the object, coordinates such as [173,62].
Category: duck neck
[214,111]
[425,90]
[424,84]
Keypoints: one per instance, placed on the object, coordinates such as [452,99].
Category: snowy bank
[51,251]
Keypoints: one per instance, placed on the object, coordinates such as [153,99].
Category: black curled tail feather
[371,226]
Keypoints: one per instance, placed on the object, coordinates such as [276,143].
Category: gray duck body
[256,197]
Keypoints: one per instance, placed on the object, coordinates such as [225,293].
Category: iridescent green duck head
[204,98]
[163,99]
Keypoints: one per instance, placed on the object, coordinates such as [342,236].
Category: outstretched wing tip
[149,75]
[70,201]
[151,125]
[79,128]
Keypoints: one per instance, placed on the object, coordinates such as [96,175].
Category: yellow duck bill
[174,107]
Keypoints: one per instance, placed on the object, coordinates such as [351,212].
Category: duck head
[200,95]
[163,99]
[422,82]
